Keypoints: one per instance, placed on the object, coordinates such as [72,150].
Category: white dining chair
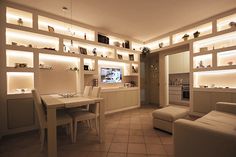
[89,115]
[62,118]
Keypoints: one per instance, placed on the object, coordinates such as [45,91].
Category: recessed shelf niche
[20,82]
[226,58]
[203,61]
[51,25]
[158,43]
[27,39]
[19,57]
[224,23]
[19,17]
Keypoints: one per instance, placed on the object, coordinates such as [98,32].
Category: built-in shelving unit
[56,55]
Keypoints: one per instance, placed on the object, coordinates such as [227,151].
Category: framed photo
[120,56]
[50,29]
[83,50]
[131,57]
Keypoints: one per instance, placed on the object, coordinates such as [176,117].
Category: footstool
[163,118]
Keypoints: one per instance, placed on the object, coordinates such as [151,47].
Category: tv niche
[111,75]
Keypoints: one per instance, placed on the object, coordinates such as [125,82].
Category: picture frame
[131,57]
[51,29]
[83,50]
[120,56]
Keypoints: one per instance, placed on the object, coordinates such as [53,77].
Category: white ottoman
[163,118]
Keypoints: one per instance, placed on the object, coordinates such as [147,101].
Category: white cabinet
[179,63]
[120,99]
[175,94]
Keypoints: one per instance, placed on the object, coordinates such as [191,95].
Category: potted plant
[196,34]
[185,37]
[145,51]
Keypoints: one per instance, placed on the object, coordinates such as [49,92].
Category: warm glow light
[231,53]
[223,23]
[111,63]
[14,14]
[62,27]
[216,72]
[23,54]
[203,29]
[20,74]
[155,44]
[57,58]
[22,35]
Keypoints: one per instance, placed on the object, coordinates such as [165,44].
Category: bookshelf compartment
[226,58]
[215,79]
[71,46]
[20,82]
[18,17]
[14,58]
[28,39]
[214,43]
[127,56]
[158,43]
[204,29]
[224,23]
[51,25]
[203,61]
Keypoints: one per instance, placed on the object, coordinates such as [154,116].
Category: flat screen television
[111,75]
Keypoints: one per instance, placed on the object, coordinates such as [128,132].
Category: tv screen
[111,75]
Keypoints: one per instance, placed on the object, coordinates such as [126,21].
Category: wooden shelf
[13,69]
[230,90]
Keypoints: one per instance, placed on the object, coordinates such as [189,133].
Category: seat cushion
[170,113]
[83,115]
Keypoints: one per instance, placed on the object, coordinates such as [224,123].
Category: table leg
[101,121]
[52,132]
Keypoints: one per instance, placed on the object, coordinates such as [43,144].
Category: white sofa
[213,135]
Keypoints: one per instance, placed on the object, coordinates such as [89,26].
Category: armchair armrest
[226,107]
[195,139]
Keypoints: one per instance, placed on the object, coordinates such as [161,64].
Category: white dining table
[54,102]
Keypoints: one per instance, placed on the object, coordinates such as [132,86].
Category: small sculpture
[94,52]
[185,37]
[201,64]
[85,36]
[161,45]
[20,21]
[196,34]
[232,24]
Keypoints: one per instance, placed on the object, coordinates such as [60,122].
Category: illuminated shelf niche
[65,28]
[215,79]
[13,16]
[158,43]
[137,46]
[91,65]
[60,79]
[226,58]
[206,61]
[221,41]
[13,57]
[20,82]
[204,29]
[75,46]
[22,38]
[223,23]
[126,55]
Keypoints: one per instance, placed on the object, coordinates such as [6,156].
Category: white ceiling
[139,19]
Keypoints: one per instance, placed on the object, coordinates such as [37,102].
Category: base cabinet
[117,100]
[20,113]
[204,102]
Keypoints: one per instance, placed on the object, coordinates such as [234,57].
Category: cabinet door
[202,102]
[186,62]
[20,113]
[176,63]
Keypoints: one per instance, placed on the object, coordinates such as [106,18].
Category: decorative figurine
[94,52]
[201,64]
[161,45]
[196,34]
[50,29]
[185,37]
[232,24]
[85,36]
[20,21]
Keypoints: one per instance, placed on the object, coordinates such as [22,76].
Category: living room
[128,79]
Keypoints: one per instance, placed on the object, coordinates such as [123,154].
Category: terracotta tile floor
[127,134]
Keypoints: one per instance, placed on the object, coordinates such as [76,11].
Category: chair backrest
[39,109]
[96,92]
[87,91]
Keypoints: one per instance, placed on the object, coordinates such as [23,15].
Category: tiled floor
[128,134]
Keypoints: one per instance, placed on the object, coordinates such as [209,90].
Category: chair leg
[88,123]
[75,130]
[96,124]
[71,131]
[42,138]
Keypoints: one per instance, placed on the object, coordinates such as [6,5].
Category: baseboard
[122,109]
[18,130]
